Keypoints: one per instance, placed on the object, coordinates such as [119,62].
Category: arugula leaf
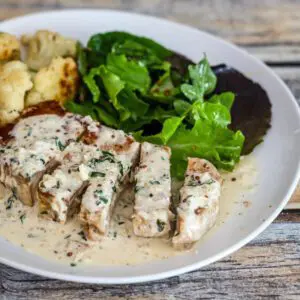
[81,59]
[226,99]
[216,109]
[213,111]
[219,145]
[169,128]
[203,81]
[138,52]
[134,75]
[89,80]
[114,85]
[164,90]
[122,98]
[181,107]
[103,43]
[90,109]
[129,100]
[153,114]
[86,109]
[105,117]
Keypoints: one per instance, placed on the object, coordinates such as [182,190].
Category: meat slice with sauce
[118,155]
[152,213]
[32,147]
[199,203]
[60,191]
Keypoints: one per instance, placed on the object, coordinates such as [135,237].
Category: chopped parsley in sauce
[160,225]
[97,174]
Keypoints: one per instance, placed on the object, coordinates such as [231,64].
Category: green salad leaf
[137,52]
[103,43]
[169,127]
[137,85]
[135,75]
[203,81]
[90,109]
[219,145]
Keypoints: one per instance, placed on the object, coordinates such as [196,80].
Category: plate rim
[197,265]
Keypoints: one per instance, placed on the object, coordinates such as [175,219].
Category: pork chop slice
[33,148]
[199,203]
[120,154]
[59,192]
[152,213]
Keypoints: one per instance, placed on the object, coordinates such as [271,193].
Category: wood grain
[269,266]
[244,22]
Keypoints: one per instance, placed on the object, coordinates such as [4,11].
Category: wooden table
[269,266]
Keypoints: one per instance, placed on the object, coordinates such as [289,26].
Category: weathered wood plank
[284,54]
[244,22]
[267,267]
[291,76]
[228,20]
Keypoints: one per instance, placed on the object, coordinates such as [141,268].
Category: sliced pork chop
[99,199]
[32,147]
[199,203]
[114,141]
[120,154]
[60,191]
[152,213]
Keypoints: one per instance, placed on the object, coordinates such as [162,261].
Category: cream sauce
[65,243]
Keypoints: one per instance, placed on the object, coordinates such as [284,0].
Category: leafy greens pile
[135,84]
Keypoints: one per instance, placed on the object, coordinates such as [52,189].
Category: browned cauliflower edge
[9,47]
[59,81]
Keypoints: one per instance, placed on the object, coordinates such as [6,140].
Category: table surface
[269,266]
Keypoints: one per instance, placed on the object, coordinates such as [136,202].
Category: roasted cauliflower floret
[46,45]
[15,81]
[9,47]
[58,81]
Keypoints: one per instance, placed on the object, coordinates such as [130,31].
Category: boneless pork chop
[119,154]
[32,147]
[152,213]
[199,202]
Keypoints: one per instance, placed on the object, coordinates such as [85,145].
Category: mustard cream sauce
[66,243]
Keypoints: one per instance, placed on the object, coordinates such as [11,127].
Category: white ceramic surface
[277,157]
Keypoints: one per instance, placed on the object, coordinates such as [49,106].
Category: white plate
[277,157]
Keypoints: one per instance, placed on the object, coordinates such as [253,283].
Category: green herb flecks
[100,198]
[97,174]
[11,199]
[59,144]
[160,225]
[154,182]
[29,131]
[107,153]
[81,233]
[137,188]
[197,183]
[22,218]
